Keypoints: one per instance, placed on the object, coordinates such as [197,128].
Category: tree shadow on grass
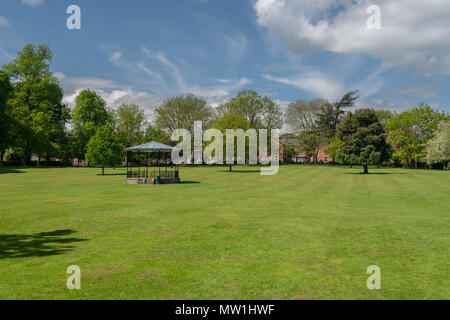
[6,170]
[242,171]
[37,245]
[374,173]
[189,182]
[111,174]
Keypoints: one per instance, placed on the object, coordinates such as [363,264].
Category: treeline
[413,138]
[34,121]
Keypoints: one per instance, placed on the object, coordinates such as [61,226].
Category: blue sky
[142,51]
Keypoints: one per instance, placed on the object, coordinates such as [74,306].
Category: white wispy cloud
[414,33]
[171,68]
[166,76]
[316,83]
[112,92]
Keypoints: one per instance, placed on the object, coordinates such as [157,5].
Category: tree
[104,149]
[331,114]
[410,131]
[260,112]
[333,148]
[311,140]
[36,104]
[384,115]
[181,112]
[130,124]
[438,148]
[5,120]
[158,135]
[231,122]
[89,114]
[302,116]
[363,139]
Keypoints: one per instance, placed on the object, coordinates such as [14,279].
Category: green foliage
[303,117]
[259,112]
[89,114]
[36,105]
[130,124]
[331,114]
[384,115]
[157,135]
[311,140]
[181,112]
[232,122]
[289,151]
[5,120]
[438,148]
[104,149]
[410,131]
[363,139]
[333,149]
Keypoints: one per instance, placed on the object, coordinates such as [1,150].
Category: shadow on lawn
[6,170]
[374,173]
[242,171]
[189,182]
[36,245]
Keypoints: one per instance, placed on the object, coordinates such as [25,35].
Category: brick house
[290,140]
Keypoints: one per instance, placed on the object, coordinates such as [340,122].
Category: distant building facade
[290,141]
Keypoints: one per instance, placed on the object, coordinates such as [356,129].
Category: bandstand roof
[151,147]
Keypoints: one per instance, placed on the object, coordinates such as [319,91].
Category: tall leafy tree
[104,149]
[438,148]
[331,114]
[181,112]
[36,104]
[311,141]
[302,117]
[384,115]
[231,122]
[363,139]
[5,120]
[410,131]
[130,123]
[158,135]
[89,114]
[258,111]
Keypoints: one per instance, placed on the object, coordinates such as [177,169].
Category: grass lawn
[306,233]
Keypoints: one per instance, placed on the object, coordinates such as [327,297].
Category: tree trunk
[1,157]
[103,171]
[231,168]
[39,161]
[415,162]
[366,169]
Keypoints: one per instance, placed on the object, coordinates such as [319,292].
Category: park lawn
[306,233]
